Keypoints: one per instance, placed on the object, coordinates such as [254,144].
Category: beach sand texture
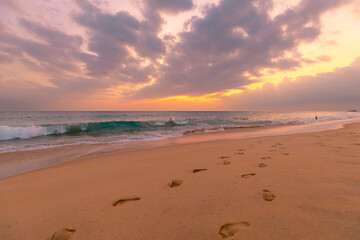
[303,186]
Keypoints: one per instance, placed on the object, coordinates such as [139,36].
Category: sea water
[38,130]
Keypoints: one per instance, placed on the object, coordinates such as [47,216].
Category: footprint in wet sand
[272,150]
[248,175]
[226,162]
[286,154]
[320,144]
[239,153]
[124,200]
[175,183]
[265,158]
[267,195]
[229,229]
[225,157]
[262,165]
[199,170]
[63,234]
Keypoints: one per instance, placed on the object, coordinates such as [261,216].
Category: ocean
[21,131]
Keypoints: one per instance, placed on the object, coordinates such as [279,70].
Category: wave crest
[7,132]
[111,127]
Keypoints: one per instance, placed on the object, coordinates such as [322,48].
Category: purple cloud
[232,38]
[170,6]
[338,90]
[211,54]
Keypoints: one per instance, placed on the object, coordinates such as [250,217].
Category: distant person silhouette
[315,117]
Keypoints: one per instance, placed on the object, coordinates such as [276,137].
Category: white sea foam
[127,130]
[7,132]
[163,123]
[157,123]
[25,132]
[294,121]
[182,122]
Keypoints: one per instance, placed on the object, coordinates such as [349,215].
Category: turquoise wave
[92,128]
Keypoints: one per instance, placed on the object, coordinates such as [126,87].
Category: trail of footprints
[225,231]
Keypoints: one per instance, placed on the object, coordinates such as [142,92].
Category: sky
[161,55]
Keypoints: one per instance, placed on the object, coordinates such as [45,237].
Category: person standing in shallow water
[315,117]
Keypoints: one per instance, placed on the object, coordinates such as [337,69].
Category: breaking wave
[159,129]
[93,128]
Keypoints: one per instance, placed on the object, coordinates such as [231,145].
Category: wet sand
[300,186]
[12,163]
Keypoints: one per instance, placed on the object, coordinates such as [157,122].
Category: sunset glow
[170,55]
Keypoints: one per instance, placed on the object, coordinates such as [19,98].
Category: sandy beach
[179,120]
[300,186]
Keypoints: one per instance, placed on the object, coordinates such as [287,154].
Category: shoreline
[15,163]
[297,186]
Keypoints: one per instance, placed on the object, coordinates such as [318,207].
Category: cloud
[215,51]
[121,43]
[56,52]
[234,38]
[324,58]
[20,94]
[170,6]
[356,12]
[338,90]
[5,58]
[11,4]
[53,37]
[49,52]
[331,42]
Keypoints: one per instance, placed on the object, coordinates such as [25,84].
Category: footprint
[248,175]
[199,170]
[175,183]
[265,158]
[262,165]
[63,234]
[286,154]
[226,162]
[229,229]
[267,195]
[124,200]
[241,149]
[239,153]
[272,150]
[225,157]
